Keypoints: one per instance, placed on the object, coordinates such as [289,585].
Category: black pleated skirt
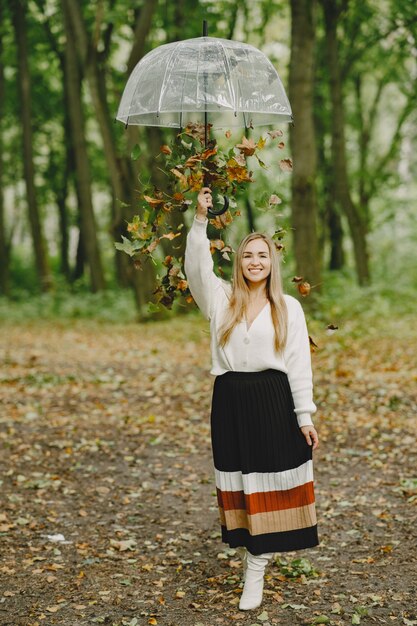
[263,464]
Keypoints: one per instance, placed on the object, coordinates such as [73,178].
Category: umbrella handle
[222,210]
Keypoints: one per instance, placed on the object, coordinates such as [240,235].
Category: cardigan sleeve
[206,288]
[298,361]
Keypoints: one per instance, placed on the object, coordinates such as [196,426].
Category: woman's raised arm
[206,288]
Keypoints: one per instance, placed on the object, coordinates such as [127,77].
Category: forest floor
[108,510]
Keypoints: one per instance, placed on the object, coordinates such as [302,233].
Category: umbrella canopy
[182,82]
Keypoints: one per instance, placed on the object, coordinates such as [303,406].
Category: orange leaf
[153,201]
[304,288]
[166,149]
[208,153]
[227,134]
[182,285]
[170,236]
[216,244]
[247,147]
[192,161]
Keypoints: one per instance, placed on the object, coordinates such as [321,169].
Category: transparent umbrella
[201,80]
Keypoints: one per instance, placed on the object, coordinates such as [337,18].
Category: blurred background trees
[68,185]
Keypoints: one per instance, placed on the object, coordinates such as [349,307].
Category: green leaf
[263,617]
[321,619]
[130,247]
[356,619]
[134,155]
[153,308]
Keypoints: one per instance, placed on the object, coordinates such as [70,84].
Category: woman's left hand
[310,433]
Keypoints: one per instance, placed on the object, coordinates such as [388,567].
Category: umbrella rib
[163,87]
[227,63]
[182,96]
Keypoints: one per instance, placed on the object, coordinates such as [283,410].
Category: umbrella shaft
[205,34]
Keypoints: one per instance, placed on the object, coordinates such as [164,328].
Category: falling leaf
[297,279]
[134,155]
[237,172]
[180,175]
[166,149]
[170,236]
[228,134]
[208,153]
[153,201]
[304,288]
[285,165]
[281,145]
[313,345]
[247,147]
[274,199]
[216,244]
[275,133]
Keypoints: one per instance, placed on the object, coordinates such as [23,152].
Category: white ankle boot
[254,581]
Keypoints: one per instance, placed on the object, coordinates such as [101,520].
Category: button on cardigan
[249,350]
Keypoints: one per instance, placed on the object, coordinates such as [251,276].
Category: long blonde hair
[239,299]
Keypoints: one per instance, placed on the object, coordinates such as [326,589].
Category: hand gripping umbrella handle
[222,210]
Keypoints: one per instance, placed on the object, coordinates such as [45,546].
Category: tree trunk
[303,144]
[121,170]
[357,224]
[19,8]
[334,223]
[82,167]
[4,252]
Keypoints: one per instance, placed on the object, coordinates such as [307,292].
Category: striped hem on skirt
[263,464]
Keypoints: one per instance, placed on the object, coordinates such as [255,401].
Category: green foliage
[64,305]
[296,568]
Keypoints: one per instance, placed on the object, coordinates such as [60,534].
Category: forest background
[108,509]
[69,185]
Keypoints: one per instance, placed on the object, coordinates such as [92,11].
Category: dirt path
[108,513]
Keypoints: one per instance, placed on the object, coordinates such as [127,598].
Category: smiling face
[256,261]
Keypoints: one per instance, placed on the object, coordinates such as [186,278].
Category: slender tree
[303,143]
[121,170]
[83,176]
[4,253]
[19,11]
[356,220]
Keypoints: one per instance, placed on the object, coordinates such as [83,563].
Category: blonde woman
[261,427]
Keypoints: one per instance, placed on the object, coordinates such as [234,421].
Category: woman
[261,428]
